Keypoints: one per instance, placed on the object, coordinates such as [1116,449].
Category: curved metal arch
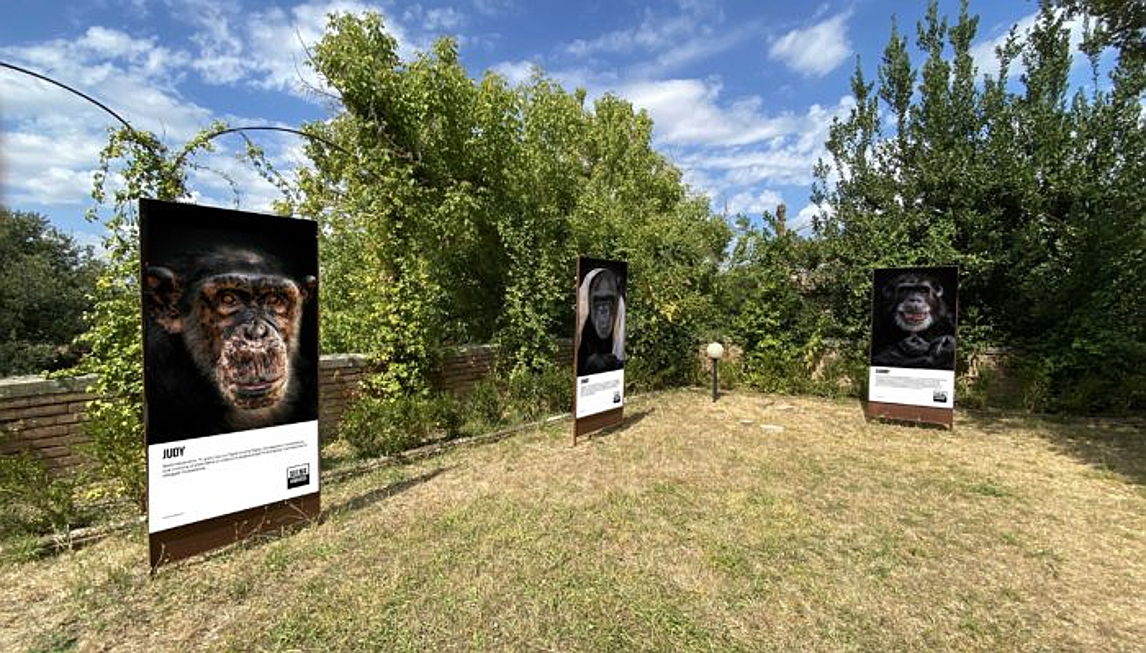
[271,128]
[179,159]
[71,90]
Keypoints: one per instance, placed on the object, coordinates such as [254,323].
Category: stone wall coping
[338,361]
[34,385]
[16,387]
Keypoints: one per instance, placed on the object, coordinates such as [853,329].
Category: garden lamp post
[715,351]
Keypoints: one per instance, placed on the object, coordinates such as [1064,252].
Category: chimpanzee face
[603,303]
[239,318]
[916,301]
[250,321]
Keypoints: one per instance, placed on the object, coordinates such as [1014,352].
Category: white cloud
[686,112]
[668,41]
[749,202]
[689,112]
[654,32]
[51,140]
[220,58]
[734,150]
[707,44]
[493,7]
[816,50]
[436,19]
[269,49]
[515,72]
[111,43]
[700,183]
[742,172]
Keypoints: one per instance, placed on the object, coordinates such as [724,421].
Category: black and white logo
[298,476]
[939,396]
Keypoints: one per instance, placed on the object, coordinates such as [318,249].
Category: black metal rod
[179,159]
[4,64]
[285,130]
[715,362]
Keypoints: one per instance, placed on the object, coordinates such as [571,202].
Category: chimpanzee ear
[309,287]
[938,289]
[161,293]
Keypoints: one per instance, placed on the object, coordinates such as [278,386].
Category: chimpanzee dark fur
[222,335]
[915,327]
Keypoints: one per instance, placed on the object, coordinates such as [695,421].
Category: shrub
[483,403]
[33,501]
[537,394]
[447,412]
[380,426]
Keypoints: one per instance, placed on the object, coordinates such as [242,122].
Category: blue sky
[742,93]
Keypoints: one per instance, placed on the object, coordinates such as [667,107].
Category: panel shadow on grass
[377,494]
[1107,444]
[628,421]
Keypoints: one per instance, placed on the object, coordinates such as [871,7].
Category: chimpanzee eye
[228,299]
[275,301]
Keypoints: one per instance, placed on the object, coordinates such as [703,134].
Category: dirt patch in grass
[755,522]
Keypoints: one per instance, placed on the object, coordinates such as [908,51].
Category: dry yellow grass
[695,526]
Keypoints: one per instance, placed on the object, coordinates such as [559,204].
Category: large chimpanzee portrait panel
[600,335]
[913,317]
[230,317]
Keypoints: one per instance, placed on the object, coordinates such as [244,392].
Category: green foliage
[45,280]
[35,502]
[448,413]
[381,426]
[483,403]
[461,219]
[536,395]
[453,210]
[1035,193]
[772,318]
[1120,23]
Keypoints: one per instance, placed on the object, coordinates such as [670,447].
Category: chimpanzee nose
[256,330]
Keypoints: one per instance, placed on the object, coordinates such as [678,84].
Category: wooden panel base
[185,541]
[904,412]
[591,423]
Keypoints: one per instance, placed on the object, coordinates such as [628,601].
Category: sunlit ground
[755,522]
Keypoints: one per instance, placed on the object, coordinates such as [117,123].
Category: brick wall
[45,416]
[338,379]
[463,367]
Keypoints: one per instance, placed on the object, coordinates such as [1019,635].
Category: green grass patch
[691,529]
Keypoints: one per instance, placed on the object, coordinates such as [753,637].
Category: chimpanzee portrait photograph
[913,317]
[230,320]
[600,331]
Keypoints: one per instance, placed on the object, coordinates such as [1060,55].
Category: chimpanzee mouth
[914,318]
[256,389]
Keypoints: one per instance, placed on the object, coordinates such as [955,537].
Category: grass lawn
[757,522]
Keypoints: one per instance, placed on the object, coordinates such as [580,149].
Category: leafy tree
[475,198]
[1035,193]
[1121,23]
[770,313]
[45,278]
